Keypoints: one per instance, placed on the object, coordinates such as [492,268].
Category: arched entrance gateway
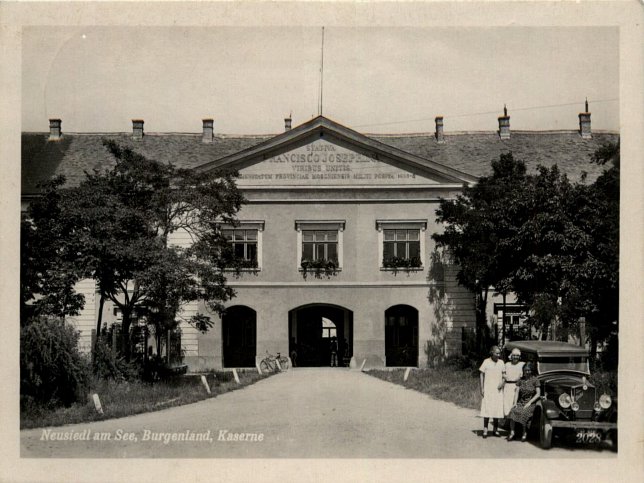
[239,331]
[311,330]
[401,336]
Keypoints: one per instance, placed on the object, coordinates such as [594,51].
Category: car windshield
[574,363]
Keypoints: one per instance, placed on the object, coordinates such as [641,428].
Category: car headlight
[605,401]
[575,406]
[565,400]
[597,407]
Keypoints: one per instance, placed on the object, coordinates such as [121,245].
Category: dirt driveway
[317,412]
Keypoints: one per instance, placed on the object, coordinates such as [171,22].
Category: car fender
[549,408]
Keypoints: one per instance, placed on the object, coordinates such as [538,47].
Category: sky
[376,80]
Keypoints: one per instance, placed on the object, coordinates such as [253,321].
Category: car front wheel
[545,431]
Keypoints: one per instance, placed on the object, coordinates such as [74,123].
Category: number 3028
[588,437]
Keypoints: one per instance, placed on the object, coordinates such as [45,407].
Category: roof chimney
[137,128]
[55,132]
[287,123]
[207,131]
[584,123]
[439,129]
[504,124]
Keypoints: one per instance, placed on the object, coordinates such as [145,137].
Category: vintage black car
[569,402]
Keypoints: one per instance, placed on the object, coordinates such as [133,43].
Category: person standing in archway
[345,353]
[334,351]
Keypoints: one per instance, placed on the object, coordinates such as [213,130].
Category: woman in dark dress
[525,397]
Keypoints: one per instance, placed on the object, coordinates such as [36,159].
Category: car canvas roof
[547,348]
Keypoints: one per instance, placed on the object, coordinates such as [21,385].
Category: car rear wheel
[545,431]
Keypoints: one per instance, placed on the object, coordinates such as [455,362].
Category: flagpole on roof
[321,75]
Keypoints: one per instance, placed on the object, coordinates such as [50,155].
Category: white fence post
[97,404]
[205,384]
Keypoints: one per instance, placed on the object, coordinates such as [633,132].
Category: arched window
[328,328]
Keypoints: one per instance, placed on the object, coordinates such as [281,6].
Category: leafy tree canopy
[552,242]
[117,226]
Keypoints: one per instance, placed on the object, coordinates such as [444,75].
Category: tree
[480,225]
[115,227]
[48,256]
[548,244]
[571,266]
[143,202]
[552,242]
[598,278]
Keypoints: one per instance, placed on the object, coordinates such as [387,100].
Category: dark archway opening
[311,331]
[239,326]
[401,336]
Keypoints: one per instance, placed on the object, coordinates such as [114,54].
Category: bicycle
[270,363]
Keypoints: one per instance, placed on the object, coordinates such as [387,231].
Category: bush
[52,370]
[108,365]
[462,363]
[435,353]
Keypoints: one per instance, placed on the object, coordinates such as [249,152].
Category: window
[246,243]
[319,241]
[328,329]
[401,244]
[320,245]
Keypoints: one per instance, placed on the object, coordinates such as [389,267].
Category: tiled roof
[471,153]
[75,154]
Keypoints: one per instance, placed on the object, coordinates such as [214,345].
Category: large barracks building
[357,211]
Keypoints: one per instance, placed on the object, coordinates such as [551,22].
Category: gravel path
[317,412]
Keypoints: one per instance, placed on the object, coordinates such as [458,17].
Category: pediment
[324,153]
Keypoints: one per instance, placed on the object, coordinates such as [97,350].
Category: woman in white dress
[513,372]
[492,371]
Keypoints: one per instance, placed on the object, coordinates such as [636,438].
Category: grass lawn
[460,387]
[127,398]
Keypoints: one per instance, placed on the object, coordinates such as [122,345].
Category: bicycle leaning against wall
[270,363]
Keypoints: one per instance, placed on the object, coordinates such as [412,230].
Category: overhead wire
[483,113]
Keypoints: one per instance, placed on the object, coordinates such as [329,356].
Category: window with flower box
[245,241]
[401,244]
[319,246]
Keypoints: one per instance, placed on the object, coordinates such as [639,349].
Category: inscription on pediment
[326,163]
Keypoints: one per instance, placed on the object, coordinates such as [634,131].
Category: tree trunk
[99,320]
[544,330]
[481,322]
[157,336]
[125,334]
[503,321]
